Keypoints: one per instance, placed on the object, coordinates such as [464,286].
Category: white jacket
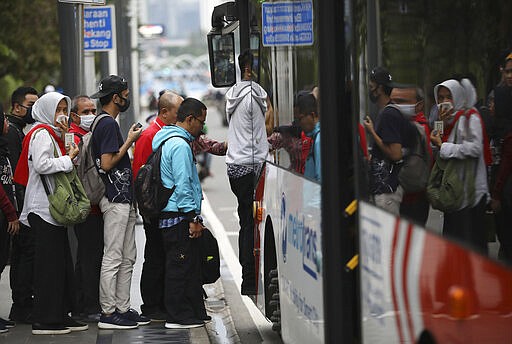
[469,145]
[42,161]
[246,105]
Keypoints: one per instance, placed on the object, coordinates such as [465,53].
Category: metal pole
[124,67]
[243,18]
[71,51]
[336,128]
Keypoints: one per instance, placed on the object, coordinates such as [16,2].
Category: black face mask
[123,108]
[372,96]
[28,117]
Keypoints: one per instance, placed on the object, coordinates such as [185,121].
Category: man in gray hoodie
[247,149]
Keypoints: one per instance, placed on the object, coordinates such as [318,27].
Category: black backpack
[210,258]
[150,193]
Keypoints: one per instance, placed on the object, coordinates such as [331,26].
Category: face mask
[408,110]
[123,108]
[28,119]
[372,96]
[62,119]
[86,121]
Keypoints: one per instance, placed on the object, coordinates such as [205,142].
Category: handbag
[210,257]
[68,204]
[451,182]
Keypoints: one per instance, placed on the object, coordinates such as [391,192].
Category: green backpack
[69,204]
[450,180]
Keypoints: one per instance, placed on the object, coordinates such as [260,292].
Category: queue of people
[473,138]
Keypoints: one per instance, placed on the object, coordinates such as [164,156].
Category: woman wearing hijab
[43,154]
[463,138]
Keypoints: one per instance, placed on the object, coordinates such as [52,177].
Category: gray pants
[119,254]
[390,201]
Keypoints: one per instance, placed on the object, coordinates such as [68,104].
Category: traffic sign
[85,2]
[287,23]
[99,28]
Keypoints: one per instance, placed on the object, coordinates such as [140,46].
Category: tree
[29,44]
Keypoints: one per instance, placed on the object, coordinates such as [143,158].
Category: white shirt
[42,161]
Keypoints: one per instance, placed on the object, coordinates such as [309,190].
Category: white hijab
[457,91]
[44,108]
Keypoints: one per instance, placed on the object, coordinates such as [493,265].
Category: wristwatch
[198,219]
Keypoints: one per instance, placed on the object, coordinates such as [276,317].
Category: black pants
[5,242]
[153,270]
[22,274]
[89,254]
[503,222]
[53,272]
[243,188]
[183,286]
[467,226]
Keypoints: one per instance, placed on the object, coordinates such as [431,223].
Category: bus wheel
[274,304]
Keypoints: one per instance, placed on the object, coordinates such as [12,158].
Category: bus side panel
[293,204]
[415,282]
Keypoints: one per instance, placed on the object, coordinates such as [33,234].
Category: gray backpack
[415,170]
[86,169]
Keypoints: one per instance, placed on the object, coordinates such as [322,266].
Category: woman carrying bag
[463,142]
[43,155]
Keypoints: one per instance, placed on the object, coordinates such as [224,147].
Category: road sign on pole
[85,2]
[287,23]
[99,28]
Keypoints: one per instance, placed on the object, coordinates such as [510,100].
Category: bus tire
[274,304]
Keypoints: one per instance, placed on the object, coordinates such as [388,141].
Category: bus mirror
[221,49]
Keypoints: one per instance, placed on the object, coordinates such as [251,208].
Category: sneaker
[74,325]
[38,328]
[206,318]
[3,329]
[91,318]
[156,316]
[7,323]
[116,322]
[191,323]
[132,315]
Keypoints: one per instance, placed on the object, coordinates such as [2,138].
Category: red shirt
[143,147]
[79,132]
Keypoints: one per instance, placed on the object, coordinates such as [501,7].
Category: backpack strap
[97,120]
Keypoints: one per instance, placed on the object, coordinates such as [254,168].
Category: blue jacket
[313,161]
[178,168]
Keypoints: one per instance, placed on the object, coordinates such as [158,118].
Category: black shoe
[189,323]
[7,323]
[38,328]
[74,325]
[3,329]
[206,318]
[156,316]
[248,291]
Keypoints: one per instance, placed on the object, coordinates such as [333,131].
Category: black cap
[381,76]
[110,85]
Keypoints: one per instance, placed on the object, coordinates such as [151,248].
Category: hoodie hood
[457,91]
[469,90]
[43,110]
[238,92]
[168,131]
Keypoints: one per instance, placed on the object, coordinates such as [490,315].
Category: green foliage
[29,44]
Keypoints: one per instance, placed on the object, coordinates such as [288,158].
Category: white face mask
[86,121]
[408,110]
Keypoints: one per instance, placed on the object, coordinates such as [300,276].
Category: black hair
[18,96]
[190,106]
[307,104]
[106,99]
[245,59]
[74,102]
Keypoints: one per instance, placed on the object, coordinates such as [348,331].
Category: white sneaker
[183,326]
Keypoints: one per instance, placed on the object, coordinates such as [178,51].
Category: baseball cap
[381,76]
[109,85]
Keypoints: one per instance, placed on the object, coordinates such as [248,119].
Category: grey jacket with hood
[246,105]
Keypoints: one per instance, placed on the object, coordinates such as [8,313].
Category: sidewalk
[153,333]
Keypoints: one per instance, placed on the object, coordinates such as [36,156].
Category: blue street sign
[99,30]
[287,23]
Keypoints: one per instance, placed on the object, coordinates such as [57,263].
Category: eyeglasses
[200,121]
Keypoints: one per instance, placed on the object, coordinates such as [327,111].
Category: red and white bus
[411,284]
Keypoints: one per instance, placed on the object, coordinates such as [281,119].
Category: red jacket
[7,207]
[143,148]
[79,132]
